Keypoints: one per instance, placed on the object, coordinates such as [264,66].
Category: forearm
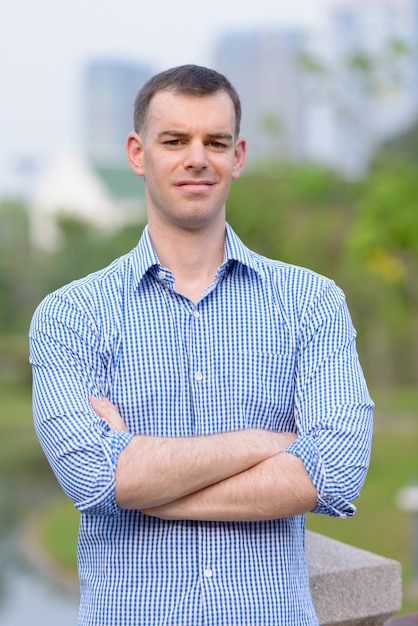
[277,487]
[153,471]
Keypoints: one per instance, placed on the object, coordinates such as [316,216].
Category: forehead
[172,111]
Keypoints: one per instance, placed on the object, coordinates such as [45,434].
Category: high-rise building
[109,90]
[329,97]
[375,69]
[264,68]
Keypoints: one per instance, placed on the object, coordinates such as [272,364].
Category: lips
[195,183]
[195,187]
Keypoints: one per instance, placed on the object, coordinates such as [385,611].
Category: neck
[193,256]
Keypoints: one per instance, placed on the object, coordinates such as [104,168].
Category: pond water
[26,596]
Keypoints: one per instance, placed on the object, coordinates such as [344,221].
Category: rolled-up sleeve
[333,409]
[69,366]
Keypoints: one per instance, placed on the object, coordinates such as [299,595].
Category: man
[226,395]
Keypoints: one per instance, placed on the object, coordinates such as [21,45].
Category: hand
[107,411]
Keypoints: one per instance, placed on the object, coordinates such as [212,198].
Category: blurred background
[330,109]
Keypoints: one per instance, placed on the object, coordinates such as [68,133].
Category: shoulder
[280,275]
[292,279]
[300,296]
[90,297]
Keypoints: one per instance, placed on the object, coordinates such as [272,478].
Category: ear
[240,155]
[134,151]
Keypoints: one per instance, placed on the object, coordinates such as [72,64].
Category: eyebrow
[181,133]
[224,136]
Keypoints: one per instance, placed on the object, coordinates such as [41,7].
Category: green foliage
[382,253]
[388,215]
[83,249]
[14,261]
[398,151]
[371,74]
[361,69]
[299,214]
[311,64]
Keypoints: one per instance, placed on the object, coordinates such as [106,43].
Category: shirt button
[208,573]
[196,314]
[199,376]
[161,275]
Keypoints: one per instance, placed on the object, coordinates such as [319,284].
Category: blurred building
[374,46]
[109,90]
[106,197]
[264,67]
[96,184]
[328,97]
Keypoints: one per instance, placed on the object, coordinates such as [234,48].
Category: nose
[195,157]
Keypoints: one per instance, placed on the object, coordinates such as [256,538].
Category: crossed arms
[236,476]
[249,474]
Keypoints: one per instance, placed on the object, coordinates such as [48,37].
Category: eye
[218,144]
[172,142]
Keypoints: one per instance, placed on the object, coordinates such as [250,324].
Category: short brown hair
[191,80]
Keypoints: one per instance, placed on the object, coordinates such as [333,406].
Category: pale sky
[45,44]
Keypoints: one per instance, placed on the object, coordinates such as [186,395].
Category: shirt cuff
[103,502]
[329,502]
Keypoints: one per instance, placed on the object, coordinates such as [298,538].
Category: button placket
[198,374]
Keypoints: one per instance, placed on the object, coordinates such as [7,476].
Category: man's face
[188,156]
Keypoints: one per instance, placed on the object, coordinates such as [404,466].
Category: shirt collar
[145,256]
[235,250]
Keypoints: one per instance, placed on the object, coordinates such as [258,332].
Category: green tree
[297,213]
[83,249]
[383,253]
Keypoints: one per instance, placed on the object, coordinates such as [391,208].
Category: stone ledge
[349,586]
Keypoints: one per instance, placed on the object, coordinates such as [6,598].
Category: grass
[379,526]
[57,532]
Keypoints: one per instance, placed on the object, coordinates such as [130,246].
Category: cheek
[153,173]
[159,168]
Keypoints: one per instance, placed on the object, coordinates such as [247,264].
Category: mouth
[195,183]
[195,186]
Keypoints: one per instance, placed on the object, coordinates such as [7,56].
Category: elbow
[86,468]
[102,503]
[359,475]
[92,489]
[336,499]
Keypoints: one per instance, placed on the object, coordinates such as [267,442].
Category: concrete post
[349,586]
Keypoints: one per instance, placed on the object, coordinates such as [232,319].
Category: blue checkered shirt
[269,345]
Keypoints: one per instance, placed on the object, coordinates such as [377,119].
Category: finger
[104,408]
[108,411]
